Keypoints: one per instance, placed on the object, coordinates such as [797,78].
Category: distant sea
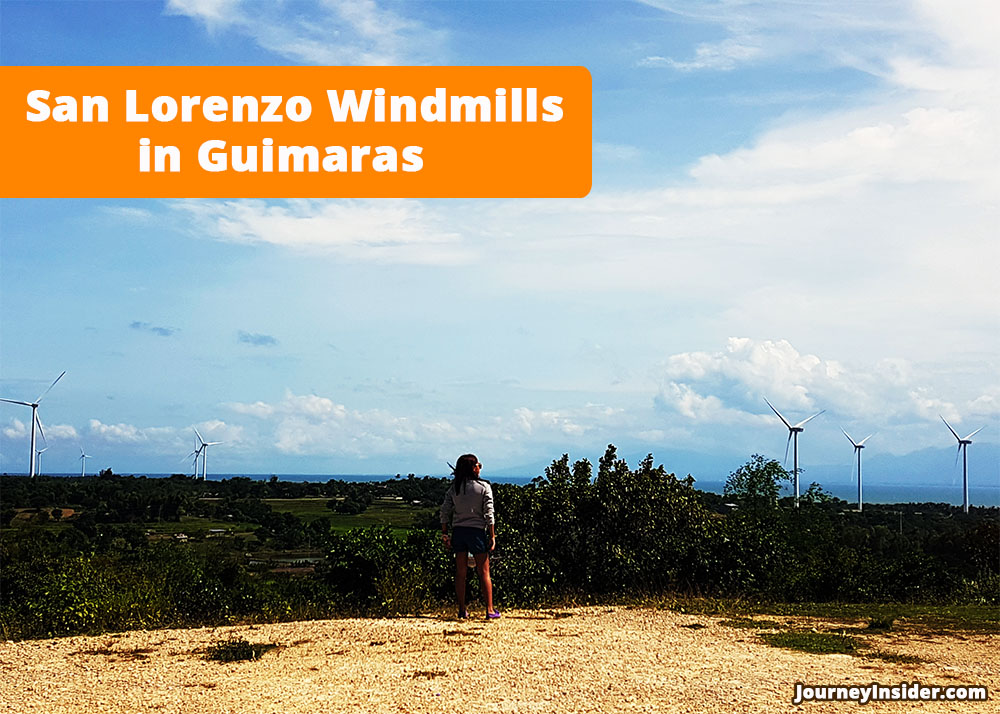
[873,493]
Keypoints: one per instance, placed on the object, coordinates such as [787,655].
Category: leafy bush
[372,571]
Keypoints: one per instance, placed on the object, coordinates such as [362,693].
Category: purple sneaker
[495,615]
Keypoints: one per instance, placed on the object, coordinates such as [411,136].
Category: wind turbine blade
[974,433]
[198,433]
[854,443]
[783,420]
[862,442]
[958,452]
[954,433]
[805,421]
[787,444]
[41,432]
[50,388]
[14,401]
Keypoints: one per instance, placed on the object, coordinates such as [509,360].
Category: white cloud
[391,230]
[316,425]
[839,155]
[327,32]
[118,433]
[708,409]
[725,55]
[61,431]
[127,214]
[166,441]
[531,422]
[969,26]
[848,34]
[615,152]
[987,405]
[209,11]
[312,406]
[311,424]
[261,410]
[729,386]
[217,430]
[16,429]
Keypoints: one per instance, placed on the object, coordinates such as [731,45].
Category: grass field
[195,526]
[393,513]
[308,509]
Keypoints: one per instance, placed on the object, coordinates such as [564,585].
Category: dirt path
[576,660]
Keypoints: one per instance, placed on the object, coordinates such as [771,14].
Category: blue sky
[790,199]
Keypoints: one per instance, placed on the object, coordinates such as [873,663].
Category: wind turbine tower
[793,436]
[34,422]
[963,448]
[204,454]
[858,446]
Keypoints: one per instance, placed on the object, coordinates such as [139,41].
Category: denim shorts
[468,540]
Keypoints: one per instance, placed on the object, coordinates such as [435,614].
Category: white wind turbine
[793,438]
[196,453]
[83,459]
[858,446]
[38,454]
[34,422]
[963,449]
[204,454]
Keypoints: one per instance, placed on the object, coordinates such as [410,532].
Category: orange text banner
[296,132]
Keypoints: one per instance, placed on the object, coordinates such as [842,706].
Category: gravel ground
[595,659]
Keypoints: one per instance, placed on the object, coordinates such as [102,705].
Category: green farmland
[392,512]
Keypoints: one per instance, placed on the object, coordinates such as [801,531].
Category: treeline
[570,533]
[109,508]
[122,491]
[112,498]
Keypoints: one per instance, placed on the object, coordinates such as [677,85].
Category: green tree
[756,484]
[753,552]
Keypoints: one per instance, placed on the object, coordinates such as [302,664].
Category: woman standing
[468,507]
